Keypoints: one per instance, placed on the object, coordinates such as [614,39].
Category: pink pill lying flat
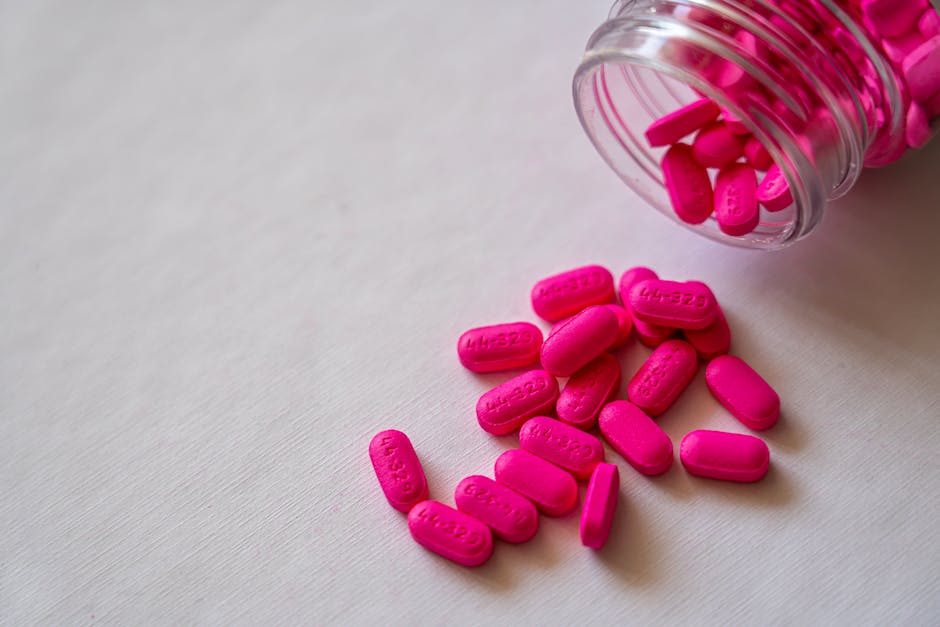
[891,18]
[500,347]
[600,503]
[565,294]
[743,392]
[449,533]
[727,456]
[757,155]
[553,490]
[398,469]
[633,434]
[563,445]
[688,185]
[511,516]
[921,69]
[736,199]
[508,405]
[579,341]
[663,376]
[715,146]
[587,391]
[713,340]
[673,127]
[624,325]
[689,305]
[774,192]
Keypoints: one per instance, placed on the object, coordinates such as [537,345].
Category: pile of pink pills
[562,432]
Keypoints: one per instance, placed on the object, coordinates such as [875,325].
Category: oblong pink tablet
[757,155]
[727,456]
[651,335]
[743,392]
[774,192]
[736,199]
[634,435]
[715,146]
[672,127]
[563,445]
[600,503]
[511,516]
[553,490]
[500,347]
[587,391]
[713,340]
[688,185]
[624,325]
[579,341]
[565,294]
[689,305]
[398,469]
[891,18]
[508,405]
[663,376]
[459,537]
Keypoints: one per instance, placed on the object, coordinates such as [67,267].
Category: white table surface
[239,238]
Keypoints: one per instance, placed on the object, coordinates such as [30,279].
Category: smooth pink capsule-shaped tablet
[715,146]
[500,347]
[757,155]
[624,325]
[634,435]
[743,392]
[891,18]
[398,469]
[774,192]
[511,516]
[921,69]
[508,405]
[736,199]
[671,128]
[663,377]
[917,131]
[600,503]
[727,456]
[689,305]
[929,23]
[459,537]
[563,445]
[553,490]
[688,185]
[579,341]
[713,340]
[587,391]
[565,294]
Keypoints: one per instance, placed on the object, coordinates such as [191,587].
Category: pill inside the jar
[512,517]
[553,490]
[567,293]
[663,377]
[600,503]
[892,18]
[688,185]
[921,69]
[587,391]
[398,469]
[504,408]
[774,192]
[672,127]
[736,199]
[579,341]
[565,446]
[450,533]
[715,146]
[757,155]
[634,435]
[743,392]
[689,305]
[500,347]
[726,456]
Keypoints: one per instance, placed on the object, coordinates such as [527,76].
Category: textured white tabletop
[239,238]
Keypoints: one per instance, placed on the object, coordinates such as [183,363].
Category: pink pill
[743,392]
[651,335]
[774,192]
[689,305]
[553,490]
[898,48]
[566,294]
[671,128]
[736,199]
[931,106]
[500,347]
[921,69]
[508,405]
[633,434]
[512,517]
[449,533]
[734,123]
[727,456]
[917,131]
[579,341]
[398,470]
[624,325]
[713,340]
[929,23]
[600,503]
[587,391]
[688,185]
[663,377]
[630,278]
[757,155]
[891,18]
[716,146]
[563,445]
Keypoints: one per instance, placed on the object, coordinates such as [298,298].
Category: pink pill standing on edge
[587,391]
[757,155]
[688,185]
[449,533]
[553,490]
[565,294]
[579,341]
[634,435]
[563,445]
[736,199]
[689,305]
[398,469]
[715,146]
[726,456]
[713,340]
[663,377]
[500,347]
[672,127]
[743,392]
[624,325]
[508,405]
[921,69]
[512,517]
[600,503]
[774,192]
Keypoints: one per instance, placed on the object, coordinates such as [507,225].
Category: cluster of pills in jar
[726,172]
[561,432]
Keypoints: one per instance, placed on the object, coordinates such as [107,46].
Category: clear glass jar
[807,78]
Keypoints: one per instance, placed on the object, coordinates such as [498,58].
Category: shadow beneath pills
[774,490]
[631,550]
